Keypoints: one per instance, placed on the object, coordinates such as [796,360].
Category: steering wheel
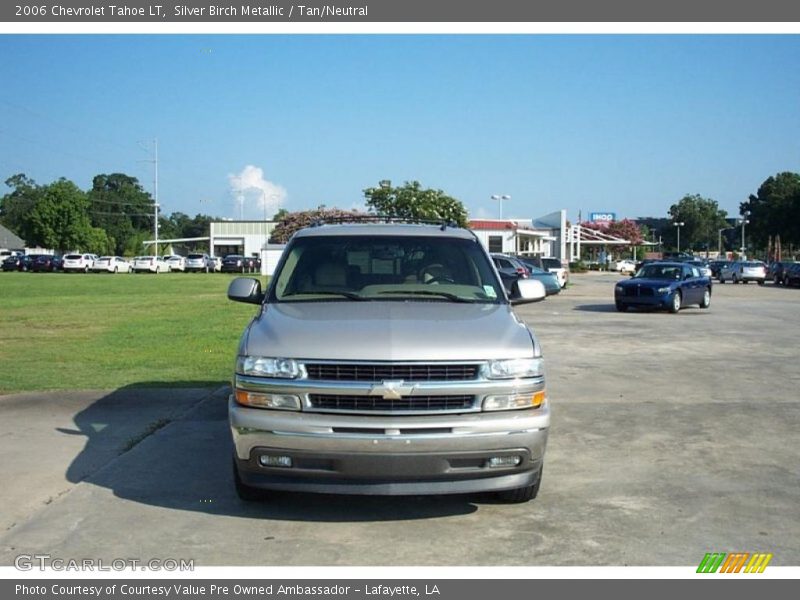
[440,279]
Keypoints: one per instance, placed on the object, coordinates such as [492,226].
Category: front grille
[379,372]
[424,404]
[638,291]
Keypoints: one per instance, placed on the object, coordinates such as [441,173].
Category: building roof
[9,240]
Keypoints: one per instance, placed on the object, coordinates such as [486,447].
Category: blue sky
[621,123]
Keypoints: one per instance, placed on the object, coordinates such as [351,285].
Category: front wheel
[706,299]
[244,491]
[523,494]
[675,306]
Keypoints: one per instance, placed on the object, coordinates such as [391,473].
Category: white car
[625,266]
[153,264]
[175,262]
[215,263]
[111,264]
[78,263]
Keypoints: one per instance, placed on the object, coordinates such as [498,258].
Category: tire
[245,492]
[523,494]
[706,302]
[720,279]
[675,305]
[116,270]
[760,282]
[622,307]
[735,279]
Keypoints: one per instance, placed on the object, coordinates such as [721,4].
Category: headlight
[514,401]
[619,289]
[514,368]
[663,290]
[260,366]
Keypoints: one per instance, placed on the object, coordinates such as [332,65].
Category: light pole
[679,225]
[500,198]
[745,214]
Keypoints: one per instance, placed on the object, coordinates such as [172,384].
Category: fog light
[504,461]
[275,461]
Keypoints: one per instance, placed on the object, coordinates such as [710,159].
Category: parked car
[78,263]
[198,263]
[791,275]
[552,265]
[216,263]
[15,262]
[151,264]
[510,265]
[175,262]
[702,266]
[548,279]
[624,266]
[776,271]
[111,264]
[669,285]
[236,263]
[46,263]
[433,386]
[715,266]
[743,272]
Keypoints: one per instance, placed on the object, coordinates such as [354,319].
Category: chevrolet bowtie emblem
[391,390]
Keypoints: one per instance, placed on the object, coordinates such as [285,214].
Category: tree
[701,218]
[298,220]
[774,210]
[412,202]
[121,207]
[53,215]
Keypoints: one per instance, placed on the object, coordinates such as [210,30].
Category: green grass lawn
[98,331]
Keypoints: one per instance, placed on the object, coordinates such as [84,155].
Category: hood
[388,331]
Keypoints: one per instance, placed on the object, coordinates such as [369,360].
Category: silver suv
[387,359]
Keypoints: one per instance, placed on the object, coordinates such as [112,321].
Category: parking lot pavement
[673,436]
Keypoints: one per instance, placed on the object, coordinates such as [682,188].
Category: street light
[679,225]
[745,214]
[500,198]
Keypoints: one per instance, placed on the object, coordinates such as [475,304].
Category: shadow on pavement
[180,458]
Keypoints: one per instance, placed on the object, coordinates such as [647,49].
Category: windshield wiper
[447,295]
[350,295]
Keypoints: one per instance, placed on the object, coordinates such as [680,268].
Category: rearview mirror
[245,289]
[524,291]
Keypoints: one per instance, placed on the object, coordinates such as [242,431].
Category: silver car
[387,359]
[743,272]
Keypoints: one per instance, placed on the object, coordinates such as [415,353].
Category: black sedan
[669,285]
[238,264]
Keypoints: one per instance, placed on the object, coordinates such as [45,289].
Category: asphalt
[673,435]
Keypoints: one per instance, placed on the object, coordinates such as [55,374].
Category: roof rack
[442,223]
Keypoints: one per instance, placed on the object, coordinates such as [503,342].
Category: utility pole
[154,160]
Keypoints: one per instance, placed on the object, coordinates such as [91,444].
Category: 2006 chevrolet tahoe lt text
[387,359]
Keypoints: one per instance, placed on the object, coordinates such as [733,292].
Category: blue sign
[606,217]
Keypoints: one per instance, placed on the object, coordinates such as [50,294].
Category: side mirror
[245,289]
[524,291]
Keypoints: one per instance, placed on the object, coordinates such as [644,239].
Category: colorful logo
[735,562]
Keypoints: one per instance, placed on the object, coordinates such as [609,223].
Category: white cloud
[255,196]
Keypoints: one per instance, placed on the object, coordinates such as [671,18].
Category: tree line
[114,217]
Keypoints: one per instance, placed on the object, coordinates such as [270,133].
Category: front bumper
[655,301]
[364,454]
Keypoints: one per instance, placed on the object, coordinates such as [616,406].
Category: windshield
[659,272]
[551,263]
[347,268]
